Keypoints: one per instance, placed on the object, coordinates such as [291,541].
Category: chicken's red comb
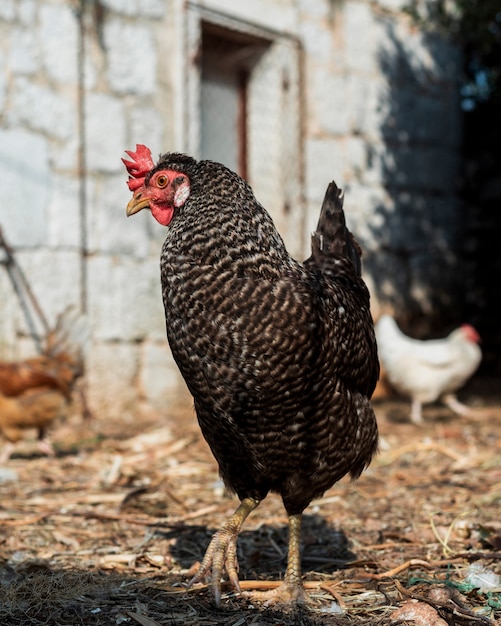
[470,333]
[140,165]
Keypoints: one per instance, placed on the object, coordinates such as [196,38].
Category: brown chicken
[280,356]
[36,392]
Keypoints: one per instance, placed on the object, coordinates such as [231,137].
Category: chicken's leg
[416,412]
[44,444]
[455,405]
[222,551]
[291,590]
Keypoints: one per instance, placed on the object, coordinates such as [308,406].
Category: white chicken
[430,370]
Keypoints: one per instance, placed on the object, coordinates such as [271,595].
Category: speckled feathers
[280,356]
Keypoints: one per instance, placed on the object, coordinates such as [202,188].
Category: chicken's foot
[222,551]
[291,591]
[45,446]
[455,405]
[6,452]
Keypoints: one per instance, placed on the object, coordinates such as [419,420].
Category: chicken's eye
[162,180]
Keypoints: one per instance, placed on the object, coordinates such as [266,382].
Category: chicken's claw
[221,555]
[291,590]
[45,446]
[288,593]
[231,565]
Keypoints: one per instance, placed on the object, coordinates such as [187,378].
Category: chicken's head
[160,189]
[469,333]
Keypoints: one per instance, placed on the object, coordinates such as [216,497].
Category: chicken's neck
[221,239]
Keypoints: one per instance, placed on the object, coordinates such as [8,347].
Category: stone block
[393,5]
[147,127]
[91,64]
[137,8]
[325,161]
[408,222]
[328,107]
[3,82]
[64,154]
[356,158]
[124,298]
[131,57]
[25,180]
[434,280]
[10,306]
[109,230]
[59,42]
[54,276]
[24,56]
[105,119]
[8,10]
[368,104]
[388,280]
[359,37]
[419,167]
[111,372]
[313,9]
[26,11]
[433,59]
[160,381]
[63,212]
[317,41]
[42,109]
[277,15]
[363,207]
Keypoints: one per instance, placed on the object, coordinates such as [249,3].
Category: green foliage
[476,26]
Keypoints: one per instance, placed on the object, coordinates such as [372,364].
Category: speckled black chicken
[280,356]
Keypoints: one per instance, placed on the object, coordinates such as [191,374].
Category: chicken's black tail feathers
[332,238]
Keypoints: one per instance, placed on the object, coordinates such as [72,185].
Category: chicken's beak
[138,203]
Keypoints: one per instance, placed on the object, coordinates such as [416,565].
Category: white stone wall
[383,119]
[380,117]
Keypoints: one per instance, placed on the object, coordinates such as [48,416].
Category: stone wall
[383,114]
[380,115]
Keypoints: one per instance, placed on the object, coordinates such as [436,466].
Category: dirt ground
[107,531]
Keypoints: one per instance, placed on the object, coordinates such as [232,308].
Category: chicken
[31,409]
[35,392]
[280,356]
[426,371]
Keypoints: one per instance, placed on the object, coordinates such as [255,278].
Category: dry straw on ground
[106,532]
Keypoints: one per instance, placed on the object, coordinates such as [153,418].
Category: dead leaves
[110,527]
[419,613]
